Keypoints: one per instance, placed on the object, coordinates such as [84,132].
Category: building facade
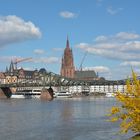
[2,78]
[13,75]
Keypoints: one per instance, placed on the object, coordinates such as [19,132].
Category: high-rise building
[67,65]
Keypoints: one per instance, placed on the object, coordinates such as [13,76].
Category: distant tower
[11,68]
[67,65]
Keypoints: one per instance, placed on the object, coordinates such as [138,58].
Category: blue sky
[107,30]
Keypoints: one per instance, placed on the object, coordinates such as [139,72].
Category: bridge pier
[5,92]
[46,94]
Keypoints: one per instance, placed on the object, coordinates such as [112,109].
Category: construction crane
[81,65]
[18,60]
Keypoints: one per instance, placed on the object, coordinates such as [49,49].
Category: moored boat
[109,94]
[62,94]
[34,93]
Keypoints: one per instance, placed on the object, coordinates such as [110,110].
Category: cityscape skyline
[108,31]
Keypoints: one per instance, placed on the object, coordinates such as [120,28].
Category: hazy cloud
[39,51]
[100,69]
[113,11]
[58,49]
[4,59]
[121,46]
[14,29]
[47,60]
[131,63]
[127,36]
[101,38]
[119,37]
[67,14]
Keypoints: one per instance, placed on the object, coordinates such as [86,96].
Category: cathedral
[68,68]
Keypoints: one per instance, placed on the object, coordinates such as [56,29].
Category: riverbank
[136,137]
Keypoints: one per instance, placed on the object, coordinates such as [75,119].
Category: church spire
[67,45]
[67,64]
[11,68]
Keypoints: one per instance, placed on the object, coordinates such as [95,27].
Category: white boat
[34,93]
[109,94]
[62,94]
[17,96]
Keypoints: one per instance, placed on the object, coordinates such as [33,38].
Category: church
[68,68]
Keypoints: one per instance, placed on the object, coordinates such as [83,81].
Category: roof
[28,72]
[85,74]
[42,71]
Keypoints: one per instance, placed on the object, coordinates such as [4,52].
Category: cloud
[4,59]
[131,63]
[100,69]
[127,36]
[47,60]
[39,51]
[67,14]
[119,73]
[14,29]
[101,38]
[119,37]
[121,46]
[112,11]
[58,49]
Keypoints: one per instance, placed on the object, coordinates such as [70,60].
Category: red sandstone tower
[67,66]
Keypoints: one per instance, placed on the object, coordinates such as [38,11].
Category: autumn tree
[128,112]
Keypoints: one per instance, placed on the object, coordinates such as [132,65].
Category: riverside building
[14,75]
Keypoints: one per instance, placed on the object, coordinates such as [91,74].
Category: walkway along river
[60,119]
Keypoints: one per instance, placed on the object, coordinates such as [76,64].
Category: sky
[107,31]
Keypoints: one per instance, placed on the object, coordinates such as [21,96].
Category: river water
[60,119]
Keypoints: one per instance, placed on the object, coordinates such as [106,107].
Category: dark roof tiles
[85,74]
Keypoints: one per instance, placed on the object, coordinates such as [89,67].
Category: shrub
[129,111]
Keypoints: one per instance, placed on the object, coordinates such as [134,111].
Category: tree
[129,110]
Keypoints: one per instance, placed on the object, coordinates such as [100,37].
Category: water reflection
[61,119]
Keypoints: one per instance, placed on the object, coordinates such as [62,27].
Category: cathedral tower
[67,65]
